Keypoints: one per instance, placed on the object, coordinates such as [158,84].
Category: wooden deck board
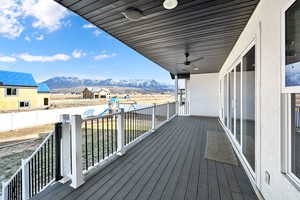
[169,164]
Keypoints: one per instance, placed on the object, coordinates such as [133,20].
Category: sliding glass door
[248,107]
[239,105]
[231,101]
[225,101]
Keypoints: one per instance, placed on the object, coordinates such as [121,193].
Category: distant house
[96,93]
[19,91]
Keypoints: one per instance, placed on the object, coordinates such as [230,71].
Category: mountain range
[72,82]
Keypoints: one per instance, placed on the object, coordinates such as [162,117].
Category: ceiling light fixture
[170,4]
[196,68]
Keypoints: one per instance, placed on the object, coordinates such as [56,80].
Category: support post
[120,133]
[25,180]
[58,135]
[176,95]
[5,191]
[77,175]
[66,147]
[153,116]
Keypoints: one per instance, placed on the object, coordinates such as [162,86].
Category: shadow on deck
[169,164]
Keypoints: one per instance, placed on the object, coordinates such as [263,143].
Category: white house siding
[203,94]
[268,66]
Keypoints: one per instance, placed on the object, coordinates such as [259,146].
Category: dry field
[63,101]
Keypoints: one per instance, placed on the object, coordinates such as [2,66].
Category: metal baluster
[111,134]
[107,136]
[48,175]
[103,139]
[86,147]
[98,145]
[92,127]
[116,132]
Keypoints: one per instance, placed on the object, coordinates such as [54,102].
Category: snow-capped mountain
[70,82]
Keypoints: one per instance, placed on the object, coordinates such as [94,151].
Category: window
[292,45]
[295,137]
[24,104]
[225,100]
[292,74]
[238,103]
[239,99]
[46,101]
[11,92]
[248,107]
[231,101]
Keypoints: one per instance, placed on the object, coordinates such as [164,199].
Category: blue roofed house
[19,91]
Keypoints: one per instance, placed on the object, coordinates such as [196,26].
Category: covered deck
[168,164]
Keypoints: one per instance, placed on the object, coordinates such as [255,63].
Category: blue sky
[42,38]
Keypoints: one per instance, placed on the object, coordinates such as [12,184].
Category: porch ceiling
[204,28]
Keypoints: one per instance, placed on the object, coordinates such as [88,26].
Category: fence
[79,145]
[36,172]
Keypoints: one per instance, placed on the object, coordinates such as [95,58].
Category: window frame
[254,43]
[284,89]
[24,107]
[11,95]
[286,109]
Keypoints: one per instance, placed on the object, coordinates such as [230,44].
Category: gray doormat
[219,148]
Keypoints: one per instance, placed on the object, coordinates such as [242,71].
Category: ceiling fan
[188,62]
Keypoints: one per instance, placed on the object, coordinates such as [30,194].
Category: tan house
[19,91]
[96,93]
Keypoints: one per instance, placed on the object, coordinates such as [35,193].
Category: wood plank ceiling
[206,29]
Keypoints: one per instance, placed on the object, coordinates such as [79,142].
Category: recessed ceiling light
[196,68]
[170,4]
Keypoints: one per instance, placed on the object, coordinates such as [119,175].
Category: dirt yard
[63,101]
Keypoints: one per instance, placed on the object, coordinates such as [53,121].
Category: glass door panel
[231,101]
[248,107]
[238,103]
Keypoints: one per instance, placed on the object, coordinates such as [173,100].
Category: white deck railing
[79,145]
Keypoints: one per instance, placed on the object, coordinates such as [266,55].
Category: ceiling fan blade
[197,59]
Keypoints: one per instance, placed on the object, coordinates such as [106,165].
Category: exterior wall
[268,96]
[41,97]
[24,94]
[203,94]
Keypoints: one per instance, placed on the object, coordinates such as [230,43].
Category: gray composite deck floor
[168,165]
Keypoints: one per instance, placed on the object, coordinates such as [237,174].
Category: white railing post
[176,96]
[120,133]
[153,117]
[25,180]
[77,175]
[65,147]
[4,191]
[168,110]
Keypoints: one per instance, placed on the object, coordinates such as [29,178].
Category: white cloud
[78,53]
[89,26]
[104,56]
[3,67]
[96,32]
[27,38]
[47,13]
[41,37]
[7,59]
[10,26]
[30,58]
